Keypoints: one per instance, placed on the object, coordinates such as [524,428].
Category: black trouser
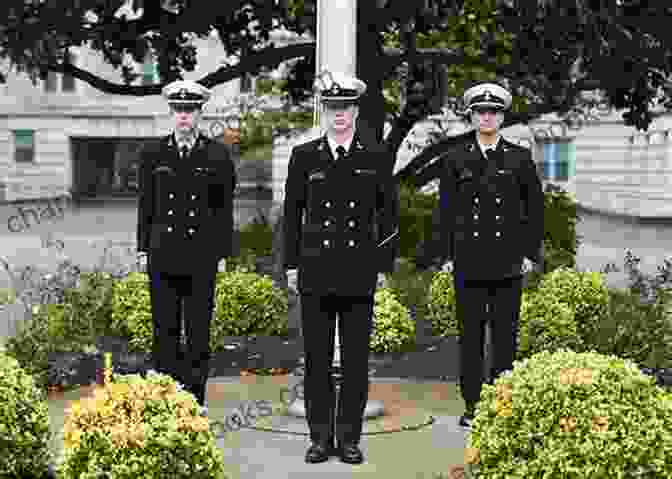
[170,297]
[503,300]
[318,318]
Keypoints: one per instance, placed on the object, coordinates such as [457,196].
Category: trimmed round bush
[572,415]
[393,327]
[246,304]
[136,427]
[584,292]
[24,423]
[441,309]
[132,312]
[545,324]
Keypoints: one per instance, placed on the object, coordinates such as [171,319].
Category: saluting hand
[381,280]
[221,266]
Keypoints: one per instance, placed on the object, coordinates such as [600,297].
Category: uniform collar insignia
[470,147]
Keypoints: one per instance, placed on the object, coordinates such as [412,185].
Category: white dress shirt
[485,148]
[188,142]
[333,145]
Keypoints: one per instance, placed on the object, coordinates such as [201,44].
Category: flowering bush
[24,423]
[572,415]
[393,327]
[139,427]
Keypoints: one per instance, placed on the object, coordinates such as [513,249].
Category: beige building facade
[62,136]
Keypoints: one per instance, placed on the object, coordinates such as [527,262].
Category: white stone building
[606,165]
[62,135]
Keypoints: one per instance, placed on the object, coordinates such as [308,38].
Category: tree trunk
[369,52]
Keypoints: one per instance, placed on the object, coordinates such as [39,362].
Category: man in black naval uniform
[185,228]
[491,231]
[341,233]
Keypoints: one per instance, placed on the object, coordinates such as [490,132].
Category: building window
[24,146]
[246,83]
[150,72]
[557,160]
[51,83]
[67,82]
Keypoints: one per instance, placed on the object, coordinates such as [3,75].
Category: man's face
[186,116]
[341,116]
[487,120]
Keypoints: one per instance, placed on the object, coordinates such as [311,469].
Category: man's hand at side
[292,279]
[141,260]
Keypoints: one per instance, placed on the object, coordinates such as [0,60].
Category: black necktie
[340,151]
[184,151]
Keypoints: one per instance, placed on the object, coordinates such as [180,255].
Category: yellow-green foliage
[393,328]
[441,310]
[572,415]
[249,304]
[134,428]
[546,324]
[132,311]
[584,292]
[24,423]
[245,304]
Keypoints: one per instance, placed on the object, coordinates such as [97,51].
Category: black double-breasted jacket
[341,217]
[185,206]
[491,211]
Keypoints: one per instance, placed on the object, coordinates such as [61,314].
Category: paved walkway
[261,454]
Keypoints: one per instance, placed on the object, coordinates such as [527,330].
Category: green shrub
[584,292]
[46,333]
[24,423]
[546,324]
[132,312]
[136,427]
[257,236]
[632,329]
[246,304]
[415,219]
[88,307]
[567,414]
[560,238]
[410,287]
[7,296]
[393,327]
[442,312]
[257,127]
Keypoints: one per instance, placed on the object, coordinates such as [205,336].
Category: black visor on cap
[484,108]
[185,106]
[338,104]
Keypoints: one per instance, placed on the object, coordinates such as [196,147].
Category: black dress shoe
[319,452]
[351,454]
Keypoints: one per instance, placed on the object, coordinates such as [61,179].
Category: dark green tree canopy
[550,51]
